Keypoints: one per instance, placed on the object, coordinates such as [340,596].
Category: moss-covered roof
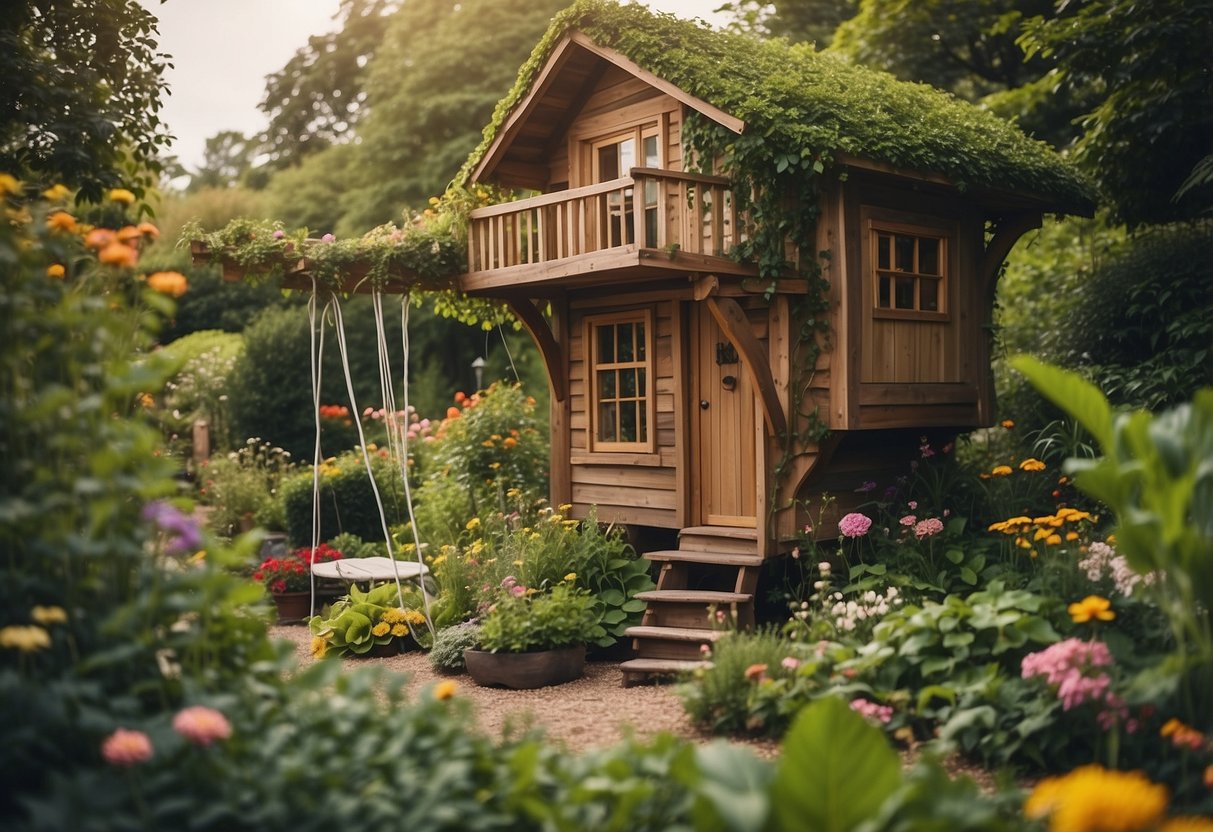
[801,100]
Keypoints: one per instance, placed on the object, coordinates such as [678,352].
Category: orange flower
[148,230]
[128,234]
[98,238]
[1008,423]
[172,284]
[755,672]
[452,413]
[62,221]
[1091,607]
[1001,471]
[1031,464]
[56,270]
[117,254]
[445,690]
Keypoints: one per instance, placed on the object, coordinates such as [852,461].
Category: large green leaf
[1072,393]
[835,771]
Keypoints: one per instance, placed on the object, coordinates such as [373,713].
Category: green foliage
[1142,327]
[198,390]
[347,498]
[246,484]
[361,621]
[524,619]
[1141,144]
[810,106]
[449,644]
[82,95]
[1156,478]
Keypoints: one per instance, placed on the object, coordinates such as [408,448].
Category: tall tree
[441,70]
[813,21]
[227,158]
[1147,69]
[316,99]
[81,94]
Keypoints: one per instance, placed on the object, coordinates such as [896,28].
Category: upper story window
[910,266]
[613,158]
[620,381]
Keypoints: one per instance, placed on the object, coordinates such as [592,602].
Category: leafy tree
[81,94]
[440,71]
[1148,70]
[316,100]
[797,20]
[227,158]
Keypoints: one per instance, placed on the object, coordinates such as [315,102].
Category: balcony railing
[656,209]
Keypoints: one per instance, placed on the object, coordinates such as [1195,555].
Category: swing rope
[316,353]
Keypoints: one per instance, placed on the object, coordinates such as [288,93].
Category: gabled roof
[797,99]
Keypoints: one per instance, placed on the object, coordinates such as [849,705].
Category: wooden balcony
[650,224]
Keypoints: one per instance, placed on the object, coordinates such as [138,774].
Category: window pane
[640,342]
[608,163]
[928,256]
[883,242]
[644,421]
[929,290]
[884,301]
[607,424]
[606,384]
[641,389]
[627,156]
[904,254]
[625,348]
[905,293]
[627,384]
[651,159]
[627,422]
[606,344]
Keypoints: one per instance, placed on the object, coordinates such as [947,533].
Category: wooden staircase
[714,568]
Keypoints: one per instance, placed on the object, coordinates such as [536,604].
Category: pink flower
[790,663]
[870,710]
[201,725]
[279,234]
[908,520]
[327,238]
[125,748]
[1073,668]
[927,528]
[854,525]
[518,590]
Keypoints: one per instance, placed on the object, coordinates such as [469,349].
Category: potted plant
[289,580]
[370,623]
[531,638]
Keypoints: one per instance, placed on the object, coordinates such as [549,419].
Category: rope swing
[396,425]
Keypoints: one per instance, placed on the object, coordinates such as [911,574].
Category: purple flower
[183,534]
[854,524]
[867,487]
[279,234]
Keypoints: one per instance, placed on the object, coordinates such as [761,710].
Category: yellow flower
[320,646]
[57,193]
[392,616]
[1031,465]
[1094,799]
[172,284]
[494,465]
[9,185]
[56,271]
[400,629]
[1091,607]
[1001,471]
[122,196]
[25,639]
[445,690]
[49,615]
[472,524]
[414,617]
[572,576]
[1053,540]
[518,563]
[62,221]
[381,629]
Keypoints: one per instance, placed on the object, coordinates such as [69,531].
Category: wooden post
[201,441]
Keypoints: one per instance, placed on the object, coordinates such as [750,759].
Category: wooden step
[693,596]
[716,558]
[675,633]
[731,539]
[636,670]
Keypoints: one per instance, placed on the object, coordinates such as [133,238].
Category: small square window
[910,270]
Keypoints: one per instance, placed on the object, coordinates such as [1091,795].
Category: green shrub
[449,643]
[347,498]
[246,485]
[523,619]
[199,388]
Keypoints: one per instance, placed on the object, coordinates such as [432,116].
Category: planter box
[523,671]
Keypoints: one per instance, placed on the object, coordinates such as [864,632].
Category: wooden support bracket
[736,327]
[549,348]
[1006,234]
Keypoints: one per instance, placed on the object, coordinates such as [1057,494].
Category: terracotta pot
[293,607]
[523,671]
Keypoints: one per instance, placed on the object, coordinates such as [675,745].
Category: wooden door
[727,430]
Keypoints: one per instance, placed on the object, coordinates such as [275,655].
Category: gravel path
[591,712]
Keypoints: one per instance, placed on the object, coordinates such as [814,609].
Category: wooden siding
[640,488]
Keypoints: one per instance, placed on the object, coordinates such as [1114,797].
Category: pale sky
[223,50]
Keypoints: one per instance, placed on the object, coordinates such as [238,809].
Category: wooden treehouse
[678,401]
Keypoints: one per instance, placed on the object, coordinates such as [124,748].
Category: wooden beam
[551,351]
[736,327]
[1006,234]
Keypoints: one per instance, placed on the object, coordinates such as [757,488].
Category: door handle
[703,404]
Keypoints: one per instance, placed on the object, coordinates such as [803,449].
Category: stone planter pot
[523,671]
